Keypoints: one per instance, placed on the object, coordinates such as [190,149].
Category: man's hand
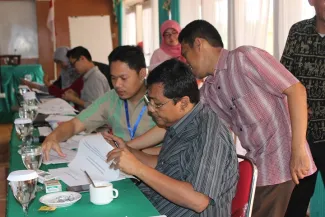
[111,138]
[70,95]
[299,164]
[49,144]
[124,160]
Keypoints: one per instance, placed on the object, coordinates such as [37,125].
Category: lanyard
[132,131]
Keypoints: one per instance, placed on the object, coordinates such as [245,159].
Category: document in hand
[91,156]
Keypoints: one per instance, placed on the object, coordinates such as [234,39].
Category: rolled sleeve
[96,115]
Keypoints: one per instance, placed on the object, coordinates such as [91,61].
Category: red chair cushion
[243,189]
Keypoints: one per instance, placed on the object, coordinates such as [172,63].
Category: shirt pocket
[249,109]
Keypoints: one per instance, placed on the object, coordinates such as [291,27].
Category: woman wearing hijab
[68,76]
[170,47]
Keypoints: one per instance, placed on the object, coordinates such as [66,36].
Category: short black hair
[130,55]
[177,79]
[200,29]
[79,51]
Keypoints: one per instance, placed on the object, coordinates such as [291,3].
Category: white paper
[44,131]
[56,106]
[44,100]
[91,156]
[58,118]
[71,145]
[56,159]
[69,177]
[39,91]
[72,178]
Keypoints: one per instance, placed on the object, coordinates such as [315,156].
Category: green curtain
[163,13]
[174,8]
[118,10]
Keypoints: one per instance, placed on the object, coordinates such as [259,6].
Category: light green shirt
[109,109]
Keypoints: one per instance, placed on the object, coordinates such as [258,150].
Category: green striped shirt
[109,109]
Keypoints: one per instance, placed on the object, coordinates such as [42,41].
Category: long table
[131,202]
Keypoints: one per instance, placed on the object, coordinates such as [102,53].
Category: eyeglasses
[74,63]
[169,34]
[153,105]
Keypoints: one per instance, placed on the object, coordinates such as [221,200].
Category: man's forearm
[150,138]
[63,132]
[147,159]
[178,192]
[297,102]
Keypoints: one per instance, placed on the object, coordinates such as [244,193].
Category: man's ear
[185,101]
[143,74]
[198,44]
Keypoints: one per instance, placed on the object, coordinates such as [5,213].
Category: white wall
[18,28]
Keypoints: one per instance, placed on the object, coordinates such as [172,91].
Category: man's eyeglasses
[74,63]
[152,104]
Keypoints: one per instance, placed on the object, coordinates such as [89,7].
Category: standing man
[262,103]
[304,57]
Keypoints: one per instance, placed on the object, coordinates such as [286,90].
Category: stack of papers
[91,157]
[39,91]
[56,106]
[58,118]
[44,131]
[56,159]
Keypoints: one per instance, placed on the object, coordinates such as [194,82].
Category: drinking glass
[32,156]
[23,185]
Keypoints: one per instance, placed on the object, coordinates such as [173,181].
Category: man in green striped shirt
[122,108]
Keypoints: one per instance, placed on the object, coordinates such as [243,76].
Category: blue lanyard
[132,131]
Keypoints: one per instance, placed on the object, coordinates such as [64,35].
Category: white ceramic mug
[103,194]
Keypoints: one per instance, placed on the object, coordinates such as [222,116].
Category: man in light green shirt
[122,108]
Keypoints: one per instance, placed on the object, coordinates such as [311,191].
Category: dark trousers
[302,193]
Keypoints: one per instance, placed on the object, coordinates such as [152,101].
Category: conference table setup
[37,187]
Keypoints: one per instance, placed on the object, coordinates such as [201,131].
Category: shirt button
[218,87]
[241,129]
[230,108]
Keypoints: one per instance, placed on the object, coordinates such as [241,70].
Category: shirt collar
[87,75]
[221,65]
[180,125]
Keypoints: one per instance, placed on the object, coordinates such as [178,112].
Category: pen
[115,143]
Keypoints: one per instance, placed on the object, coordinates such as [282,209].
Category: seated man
[196,171]
[122,108]
[95,83]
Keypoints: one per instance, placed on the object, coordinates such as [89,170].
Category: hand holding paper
[112,139]
[124,160]
[91,157]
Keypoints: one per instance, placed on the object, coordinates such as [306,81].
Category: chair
[242,203]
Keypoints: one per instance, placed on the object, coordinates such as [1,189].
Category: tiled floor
[5,132]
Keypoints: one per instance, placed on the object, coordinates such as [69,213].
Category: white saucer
[60,199]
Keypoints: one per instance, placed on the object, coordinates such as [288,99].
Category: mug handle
[116,193]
